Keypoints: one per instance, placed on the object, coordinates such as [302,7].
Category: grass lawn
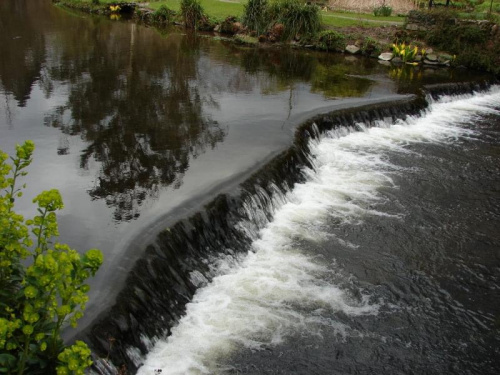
[214,8]
[221,9]
[337,19]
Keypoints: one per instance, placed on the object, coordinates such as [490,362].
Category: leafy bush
[371,47]
[162,16]
[192,12]
[382,11]
[330,40]
[297,17]
[42,285]
[255,15]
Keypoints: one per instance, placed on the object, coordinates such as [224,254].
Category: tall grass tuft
[297,17]
[255,15]
[382,11]
[192,13]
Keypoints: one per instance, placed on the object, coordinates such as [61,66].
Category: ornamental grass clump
[256,16]
[297,17]
[42,284]
[382,11]
[192,13]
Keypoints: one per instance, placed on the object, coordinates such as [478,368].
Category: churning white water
[278,289]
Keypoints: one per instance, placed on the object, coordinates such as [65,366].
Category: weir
[184,256]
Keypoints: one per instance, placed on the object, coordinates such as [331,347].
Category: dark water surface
[139,129]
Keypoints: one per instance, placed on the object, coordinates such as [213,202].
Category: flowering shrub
[42,285]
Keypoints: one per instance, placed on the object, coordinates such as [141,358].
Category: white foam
[278,290]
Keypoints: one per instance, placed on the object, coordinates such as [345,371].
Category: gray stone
[428,62]
[352,49]
[412,27]
[494,29]
[386,56]
[396,60]
[217,28]
[431,57]
[417,58]
[429,50]
[444,57]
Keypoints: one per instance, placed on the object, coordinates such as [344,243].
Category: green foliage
[162,15]
[255,15]
[330,40]
[42,285]
[382,11]
[371,47]
[95,2]
[192,12]
[472,44]
[297,17]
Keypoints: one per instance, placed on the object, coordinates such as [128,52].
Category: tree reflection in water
[138,105]
[140,102]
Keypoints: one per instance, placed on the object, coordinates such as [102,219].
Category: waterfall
[235,275]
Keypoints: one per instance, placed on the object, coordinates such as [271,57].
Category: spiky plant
[192,12]
[255,15]
[297,17]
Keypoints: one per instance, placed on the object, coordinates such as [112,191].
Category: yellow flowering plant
[42,284]
[407,53]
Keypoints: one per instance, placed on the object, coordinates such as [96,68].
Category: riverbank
[435,41]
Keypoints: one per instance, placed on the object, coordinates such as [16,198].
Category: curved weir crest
[259,299]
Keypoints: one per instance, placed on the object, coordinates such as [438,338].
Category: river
[377,250]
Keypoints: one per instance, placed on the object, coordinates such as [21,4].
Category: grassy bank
[291,21]
[221,9]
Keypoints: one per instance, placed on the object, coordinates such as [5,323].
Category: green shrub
[192,12]
[42,285]
[162,16]
[255,15]
[330,40]
[95,2]
[297,17]
[371,47]
[382,11]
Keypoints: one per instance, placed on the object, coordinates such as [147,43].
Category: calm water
[395,270]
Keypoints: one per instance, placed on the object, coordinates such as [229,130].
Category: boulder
[352,49]
[431,57]
[397,60]
[445,58]
[412,27]
[386,56]
[429,62]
